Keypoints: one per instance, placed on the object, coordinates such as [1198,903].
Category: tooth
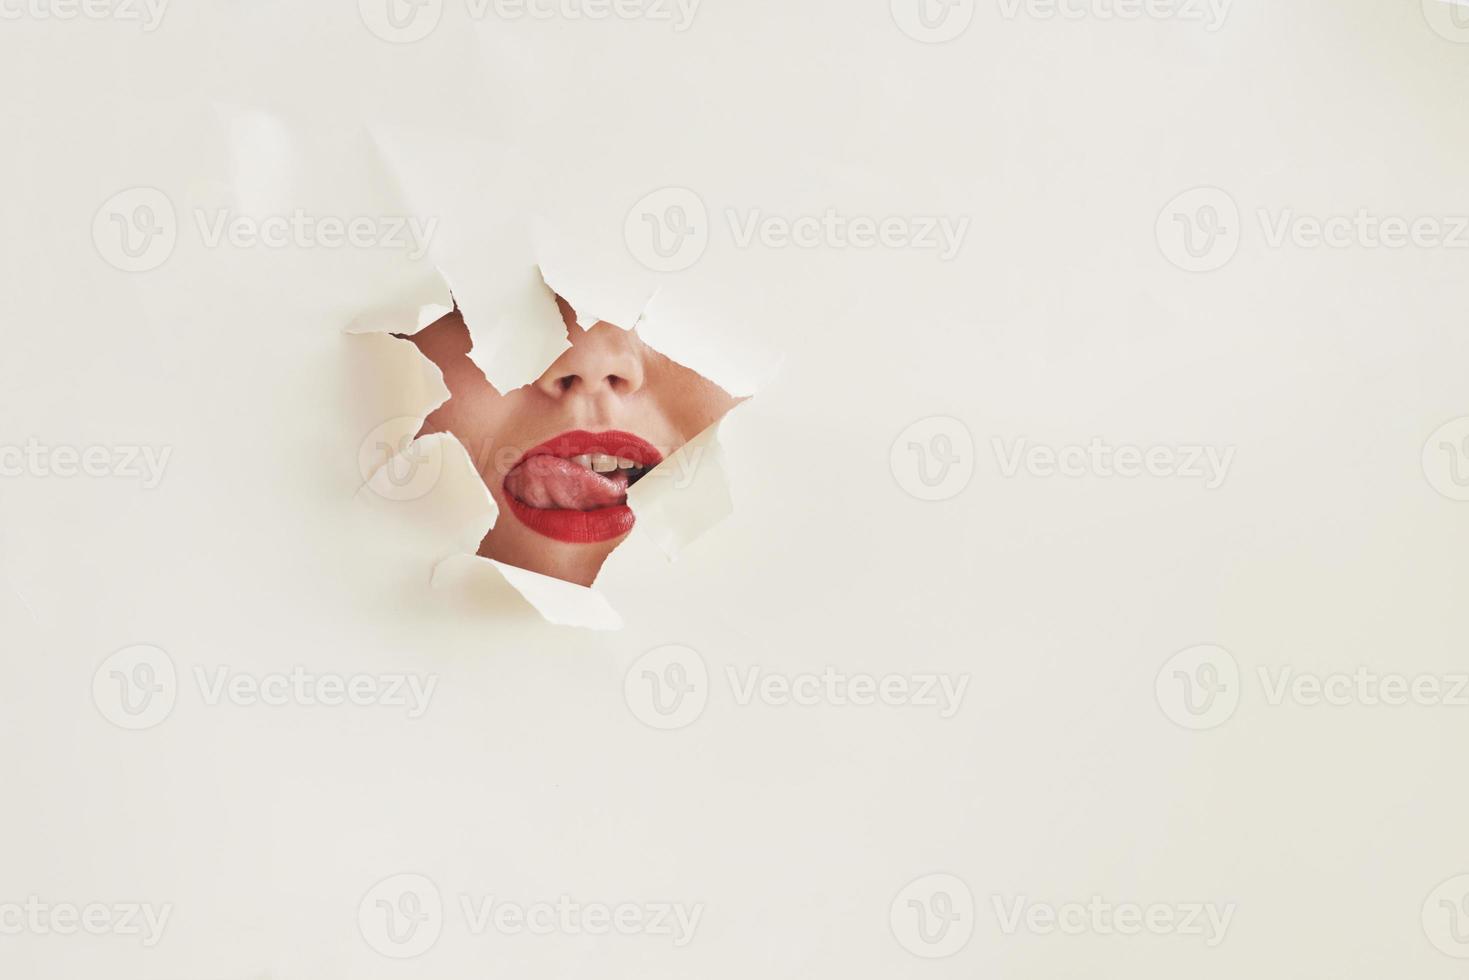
[583,460]
[603,464]
[625,464]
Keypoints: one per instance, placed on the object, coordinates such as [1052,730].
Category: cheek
[495,427]
[475,420]
[694,403]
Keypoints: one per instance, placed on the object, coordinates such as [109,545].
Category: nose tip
[602,359]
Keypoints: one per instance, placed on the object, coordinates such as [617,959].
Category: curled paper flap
[560,603]
[409,308]
[517,333]
[428,503]
[737,367]
[513,322]
[597,294]
[434,479]
[410,387]
[685,495]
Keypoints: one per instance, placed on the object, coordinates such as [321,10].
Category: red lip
[584,526]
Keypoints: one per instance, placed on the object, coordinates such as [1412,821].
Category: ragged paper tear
[504,280]
[599,292]
[602,290]
[409,308]
[517,334]
[739,368]
[674,501]
[509,309]
[410,388]
[686,495]
[398,465]
[560,603]
[448,501]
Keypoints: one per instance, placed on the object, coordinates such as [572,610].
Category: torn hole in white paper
[434,478]
[610,428]
[560,454]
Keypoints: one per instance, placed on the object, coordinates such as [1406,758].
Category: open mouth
[574,487]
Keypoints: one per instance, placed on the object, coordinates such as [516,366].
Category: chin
[513,543]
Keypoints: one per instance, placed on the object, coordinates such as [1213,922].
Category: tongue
[550,482]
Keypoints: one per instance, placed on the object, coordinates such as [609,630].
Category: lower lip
[585,526]
[574,526]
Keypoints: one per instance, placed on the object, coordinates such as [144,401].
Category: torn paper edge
[420,303]
[691,497]
[421,389]
[514,343]
[514,325]
[509,346]
[559,602]
[593,304]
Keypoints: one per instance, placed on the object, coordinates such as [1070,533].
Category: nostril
[567,382]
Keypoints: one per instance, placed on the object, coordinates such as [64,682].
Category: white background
[1062,776]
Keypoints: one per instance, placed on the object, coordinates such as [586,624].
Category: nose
[603,360]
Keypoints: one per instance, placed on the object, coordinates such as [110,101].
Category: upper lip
[613,442]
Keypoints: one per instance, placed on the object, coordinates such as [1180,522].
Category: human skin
[608,380]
